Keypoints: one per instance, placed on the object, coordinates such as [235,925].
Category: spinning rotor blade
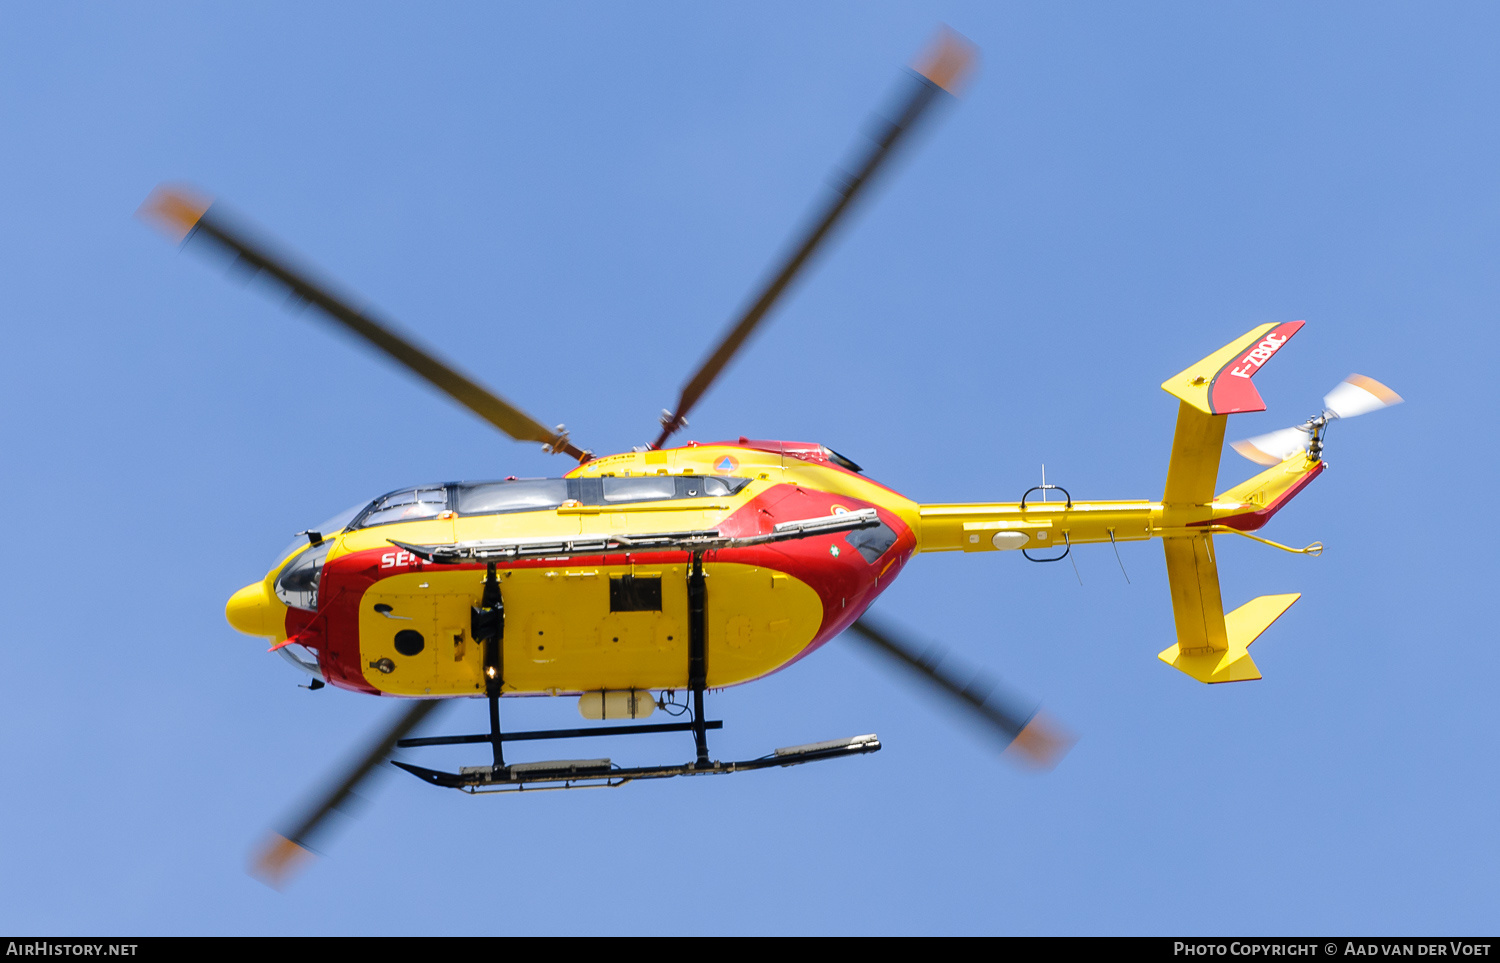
[184,215]
[1358,395]
[1355,395]
[282,854]
[1024,732]
[940,72]
[1274,447]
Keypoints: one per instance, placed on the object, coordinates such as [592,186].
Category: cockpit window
[297,585]
[405,506]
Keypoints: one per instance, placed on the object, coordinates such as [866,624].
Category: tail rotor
[1355,395]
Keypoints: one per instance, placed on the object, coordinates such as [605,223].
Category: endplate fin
[1241,627]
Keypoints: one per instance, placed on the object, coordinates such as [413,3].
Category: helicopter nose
[253,611]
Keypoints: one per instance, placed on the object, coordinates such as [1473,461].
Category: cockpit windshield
[328,529]
[405,506]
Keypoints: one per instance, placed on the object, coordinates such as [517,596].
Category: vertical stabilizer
[1196,447]
[1213,647]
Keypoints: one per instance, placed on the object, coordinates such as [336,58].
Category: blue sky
[571,202]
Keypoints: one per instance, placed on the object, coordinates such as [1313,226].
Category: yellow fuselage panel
[560,635]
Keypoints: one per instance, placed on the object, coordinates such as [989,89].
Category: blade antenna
[936,77]
[1117,556]
[183,214]
[1073,558]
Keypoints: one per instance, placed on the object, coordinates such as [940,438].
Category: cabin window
[635,593]
[521,495]
[641,488]
[716,486]
[872,542]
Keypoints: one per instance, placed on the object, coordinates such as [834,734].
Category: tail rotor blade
[1359,395]
[282,855]
[1028,736]
[936,77]
[1274,447]
[1355,395]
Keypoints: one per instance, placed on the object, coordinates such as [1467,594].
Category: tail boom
[1034,525]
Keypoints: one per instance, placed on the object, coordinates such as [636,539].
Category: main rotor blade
[182,214]
[940,72]
[281,855]
[1024,732]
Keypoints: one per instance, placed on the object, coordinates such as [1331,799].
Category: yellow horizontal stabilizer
[1241,627]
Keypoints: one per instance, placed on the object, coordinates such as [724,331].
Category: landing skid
[488,627]
[602,774]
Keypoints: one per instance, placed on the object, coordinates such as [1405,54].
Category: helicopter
[643,580]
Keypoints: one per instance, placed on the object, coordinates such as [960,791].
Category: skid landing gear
[601,773]
[698,655]
[487,626]
[488,629]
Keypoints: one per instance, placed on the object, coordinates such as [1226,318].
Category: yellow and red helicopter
[678,570]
